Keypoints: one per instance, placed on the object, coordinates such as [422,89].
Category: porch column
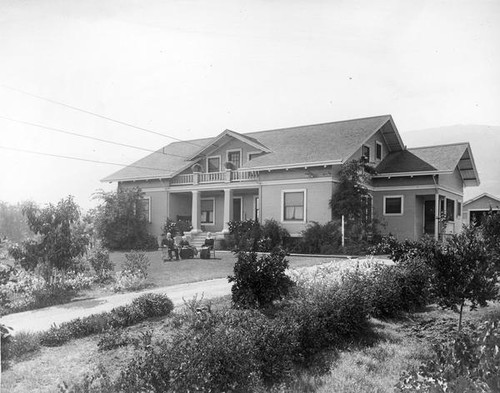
[195,211]
[436,216]
[228,208]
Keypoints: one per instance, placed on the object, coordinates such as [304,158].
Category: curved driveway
[42,319]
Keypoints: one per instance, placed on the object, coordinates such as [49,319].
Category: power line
[86,136]
[78,158]
[94,114]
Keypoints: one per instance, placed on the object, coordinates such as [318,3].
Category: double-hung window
[393,205]
[294,205]
[234,157]
[144,208]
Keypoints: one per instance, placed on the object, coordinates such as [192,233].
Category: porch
[210,210]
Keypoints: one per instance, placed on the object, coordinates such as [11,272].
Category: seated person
[184,244]
[169,243]
[209,241]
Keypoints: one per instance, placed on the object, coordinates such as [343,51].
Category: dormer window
[234,157]
[366,153]
[378,150]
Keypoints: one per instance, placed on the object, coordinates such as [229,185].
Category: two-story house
[290,175]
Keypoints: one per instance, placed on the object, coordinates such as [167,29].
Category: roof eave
[294,165]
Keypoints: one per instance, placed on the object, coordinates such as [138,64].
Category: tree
[351,198]
[490,229]
[464,271]
[60,237]
[13,224]
[120,221]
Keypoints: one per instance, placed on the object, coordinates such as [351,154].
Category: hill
[484,141]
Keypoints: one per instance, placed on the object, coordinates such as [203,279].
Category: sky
[190,69]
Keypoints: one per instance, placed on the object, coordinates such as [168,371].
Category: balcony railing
[238,175]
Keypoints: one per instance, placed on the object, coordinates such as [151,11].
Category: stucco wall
[453,181]
[316,209]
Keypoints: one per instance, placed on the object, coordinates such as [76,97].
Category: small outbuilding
[476,208]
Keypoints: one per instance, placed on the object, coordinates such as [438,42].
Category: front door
[237,209]
[429,217]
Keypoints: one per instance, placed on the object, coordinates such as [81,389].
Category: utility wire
[95,114]
[78,158]
[86,136]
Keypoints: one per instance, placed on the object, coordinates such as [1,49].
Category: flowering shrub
[127,281]
[136,263]
[100,262]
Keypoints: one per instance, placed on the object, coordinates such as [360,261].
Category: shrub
[55,336]
[319,238]
[153,305]
[246,235]
[273,236]
[100,262]
[325,315]
[112,339]
[178,227]
[127,281]
[425,248]
[404,287]
[136,263]
[469,363]
[258,281]
[18,346]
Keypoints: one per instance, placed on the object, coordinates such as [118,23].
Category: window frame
[402,199]
[220,163]
[283,192]
[148,198]
[251,153]
[213,212]
[450,217]
[377,145]
[235,151]
[369,152]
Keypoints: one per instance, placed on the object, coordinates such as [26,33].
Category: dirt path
[42,319]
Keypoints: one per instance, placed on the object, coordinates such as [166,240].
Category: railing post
[196,177]
[228,176]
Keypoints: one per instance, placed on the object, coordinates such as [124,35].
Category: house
[474,209]
[290,175]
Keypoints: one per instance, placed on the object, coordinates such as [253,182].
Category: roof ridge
[442,145]
[316,124]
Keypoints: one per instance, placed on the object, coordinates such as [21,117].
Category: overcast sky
[191,69]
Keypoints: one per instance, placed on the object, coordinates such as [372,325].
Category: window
[366,152]
[145,208]
[294,205]
[393,205]
[213,164]
[256,208]
[366,207]
[207,211]
[253,154]
[450,209]
[459,209]
[378,150]
[234,157]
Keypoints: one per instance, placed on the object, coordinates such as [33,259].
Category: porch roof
[432,160]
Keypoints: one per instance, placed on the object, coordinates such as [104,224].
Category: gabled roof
[224,136]
[326,143]
[432,160]
[483,195]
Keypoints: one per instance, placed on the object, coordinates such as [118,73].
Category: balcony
[227,176]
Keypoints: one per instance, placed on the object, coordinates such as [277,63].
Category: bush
[112,339]
[273,236]
[18,346]
[321,239]
[178,227]
[136,263]
[325,315]
[143,307]
[404,287]
[100,262]
[258,281]
[469,363]
[127,281]
[246,235]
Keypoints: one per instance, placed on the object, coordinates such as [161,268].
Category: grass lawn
[373,365]
[161,274]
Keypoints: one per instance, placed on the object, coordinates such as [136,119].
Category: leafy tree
[120,221]
[490,229]
[351,198]
[13,224]
[60,237]
[464,271]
